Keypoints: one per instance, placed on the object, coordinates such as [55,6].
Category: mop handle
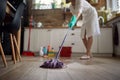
[58,53]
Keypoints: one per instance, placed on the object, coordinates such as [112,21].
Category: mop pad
[55,62]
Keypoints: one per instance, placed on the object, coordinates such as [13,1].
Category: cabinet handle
[72,34]
[49,30]
[72,43]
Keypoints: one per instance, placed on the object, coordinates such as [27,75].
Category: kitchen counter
[50,27]
[59,27]
[112,20]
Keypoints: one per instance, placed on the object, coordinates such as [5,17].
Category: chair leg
[13,49]
[3,56]
[18,50]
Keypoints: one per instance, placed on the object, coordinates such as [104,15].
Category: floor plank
[98,68]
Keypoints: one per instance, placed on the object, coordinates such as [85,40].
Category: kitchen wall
[53,17]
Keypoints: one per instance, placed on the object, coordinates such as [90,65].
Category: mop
[55,62]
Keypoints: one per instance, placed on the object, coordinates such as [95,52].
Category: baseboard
[94,54]
[75,54]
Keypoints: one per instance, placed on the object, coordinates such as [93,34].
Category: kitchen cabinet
[73,39]
[95,47]
[54,37]
[76,41]
[105,41]
[26,32]
[38,38]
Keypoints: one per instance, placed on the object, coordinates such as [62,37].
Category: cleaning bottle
[41,53]
[53,52]
[48,48]
[45,51]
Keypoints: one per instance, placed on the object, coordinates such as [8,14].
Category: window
[47,4]
[119,4]
[114,5]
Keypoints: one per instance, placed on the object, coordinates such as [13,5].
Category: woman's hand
[72,22]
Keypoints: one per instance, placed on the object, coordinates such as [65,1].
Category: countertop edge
[58,27]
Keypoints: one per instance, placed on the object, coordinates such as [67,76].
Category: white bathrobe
[90,18]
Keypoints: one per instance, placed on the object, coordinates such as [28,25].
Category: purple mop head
[53,63]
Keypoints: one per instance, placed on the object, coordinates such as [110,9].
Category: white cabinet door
[76,41]
[73,39]
[43,38]
[38,38]
[34,39]
[26,33]
[105,41]
[94,48]
[56,38]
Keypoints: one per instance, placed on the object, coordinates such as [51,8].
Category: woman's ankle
[89,54]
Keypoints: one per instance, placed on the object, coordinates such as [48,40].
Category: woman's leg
[85,41]
[89,45]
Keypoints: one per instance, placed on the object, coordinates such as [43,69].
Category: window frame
[113,5]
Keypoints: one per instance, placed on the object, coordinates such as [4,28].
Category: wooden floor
[99,68]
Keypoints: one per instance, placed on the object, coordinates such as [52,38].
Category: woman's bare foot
[89,54]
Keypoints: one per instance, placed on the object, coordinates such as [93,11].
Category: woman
[90,25]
